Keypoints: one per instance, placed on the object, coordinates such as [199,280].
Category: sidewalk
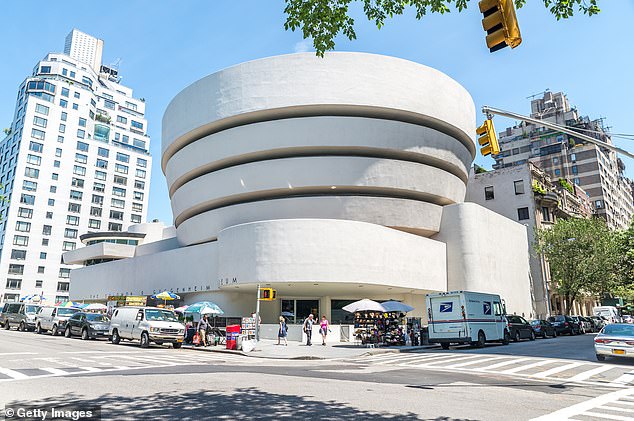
[267,348]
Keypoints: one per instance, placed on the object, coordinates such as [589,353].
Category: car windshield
[556,319]
[619,330]
[160,315]
[31,309]
[535,322]
[66,311]
[97,318]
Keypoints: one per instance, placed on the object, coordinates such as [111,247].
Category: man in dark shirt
[203,325]
[308,328]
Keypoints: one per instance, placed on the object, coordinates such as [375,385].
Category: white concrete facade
[327,179]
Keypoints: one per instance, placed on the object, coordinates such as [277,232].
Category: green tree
[583,257]
[323,20]
[625,251]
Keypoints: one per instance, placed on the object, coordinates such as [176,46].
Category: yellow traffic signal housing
[488,138]
[268,294]
[500,23]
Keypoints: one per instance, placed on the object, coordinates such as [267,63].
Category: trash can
[233,331]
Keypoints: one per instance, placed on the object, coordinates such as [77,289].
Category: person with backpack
[283,331]
[308,328]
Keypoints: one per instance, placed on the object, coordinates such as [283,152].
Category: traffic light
[268,294]
[500,23]
[488,139]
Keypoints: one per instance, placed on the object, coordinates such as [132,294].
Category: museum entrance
[295,311]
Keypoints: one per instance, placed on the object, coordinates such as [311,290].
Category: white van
[53,319]
[463,317]
[146,324]
[611,313]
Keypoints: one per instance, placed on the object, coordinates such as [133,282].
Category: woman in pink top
[323,329]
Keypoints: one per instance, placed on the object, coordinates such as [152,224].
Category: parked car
[87,325]
[20,315]
[146,324]
[53,319]
[593,326]
[565,324]
[627,319]
[615,340]
[583,325]
[519,328]
[543,328]
[599,322]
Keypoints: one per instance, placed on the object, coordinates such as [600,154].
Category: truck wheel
[145,340]
[7,326]
[177,345]
[507,338]
[115,337]
[482,339]
[54,330]
[445,345]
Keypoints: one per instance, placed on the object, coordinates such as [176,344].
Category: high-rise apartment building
[75,159]
[597,170]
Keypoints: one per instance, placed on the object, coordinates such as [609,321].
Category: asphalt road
[158,383]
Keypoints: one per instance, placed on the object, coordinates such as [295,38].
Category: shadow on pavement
[243,404]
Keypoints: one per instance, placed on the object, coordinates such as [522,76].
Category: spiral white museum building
[328,179]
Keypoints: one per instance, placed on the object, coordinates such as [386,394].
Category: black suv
[565,324]
[519,328]
[87,325]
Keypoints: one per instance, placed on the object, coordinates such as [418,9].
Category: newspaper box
[233,331]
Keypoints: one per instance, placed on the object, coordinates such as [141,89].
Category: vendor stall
[375,327]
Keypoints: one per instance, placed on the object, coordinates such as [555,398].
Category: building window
[72,220]
[97,199]
[57,163]
[22,226]
[70,233]
[39,284]
[121,119]
[54,176]
[77,182]
[120,180]
[138,207]
[99,187]
[42,109]
[68,246]
[76,195]
[138,184]
[27,199]
[45,241]
[598,204]
[65,92]
[63,286]
[46,229]
[136,124]
[100,175]
[141,174]
[45,69]
[36,147]
[574,169]
[123,157]
[77,170]
[18,254]
[51,202]
[557,172]
[141,162]
[14,283]
[138,195]
[29,185]
[16,269]
[37,134]
[53,189]
[114,227]
[116,215]
[33,159]
[117,203]
[39,121]
[25,213]
[118,191]
[81,133]
[103,152]
[573,157]
[136,219]
[31,172]
[94,223]
[64,116]
[95,211]
[64,273]
[20,240]
[120,168]
[102,133]
[102,163]
[74,207]
[522,214]
[576,181]
[139,143]
[81,146]
[58,152]
[49,215]
[488,193]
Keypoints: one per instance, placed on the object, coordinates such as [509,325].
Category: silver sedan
[615,340]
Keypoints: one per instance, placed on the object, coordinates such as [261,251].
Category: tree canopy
[323,20]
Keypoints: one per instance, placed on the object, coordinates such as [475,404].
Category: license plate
[179,340]
[618,351]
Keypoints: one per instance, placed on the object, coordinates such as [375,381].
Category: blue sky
[166,45]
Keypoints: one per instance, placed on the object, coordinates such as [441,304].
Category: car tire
[532,337]
[600,357]
[444,345]
[517,336]
[7,326]
[145,340]
[67,333]
[507,338]
[177,345]
[116,339]
[84,334]
[544,336]
[38,329]
[54,330]
[554,333]
[482,339]
[22,327]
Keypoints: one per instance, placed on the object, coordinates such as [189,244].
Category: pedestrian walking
[308,328]
[203,325]
[323,329]
[283,332]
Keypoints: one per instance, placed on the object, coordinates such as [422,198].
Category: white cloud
[303,46]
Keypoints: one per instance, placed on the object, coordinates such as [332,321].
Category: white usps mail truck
[464,317]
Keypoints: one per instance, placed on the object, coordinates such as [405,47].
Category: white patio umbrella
[364,305]
[397,306]
[95,306]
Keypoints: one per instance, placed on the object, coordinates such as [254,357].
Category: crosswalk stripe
[526,367]
[502,364]
[589,373]
[403,358]
[144,360]
[488,359]
[624,402]
[555,370]
[12,373]
[55,371]
[435,358]
[614,408]
[460,359]
[91,369]
[606,416]
[624,379]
